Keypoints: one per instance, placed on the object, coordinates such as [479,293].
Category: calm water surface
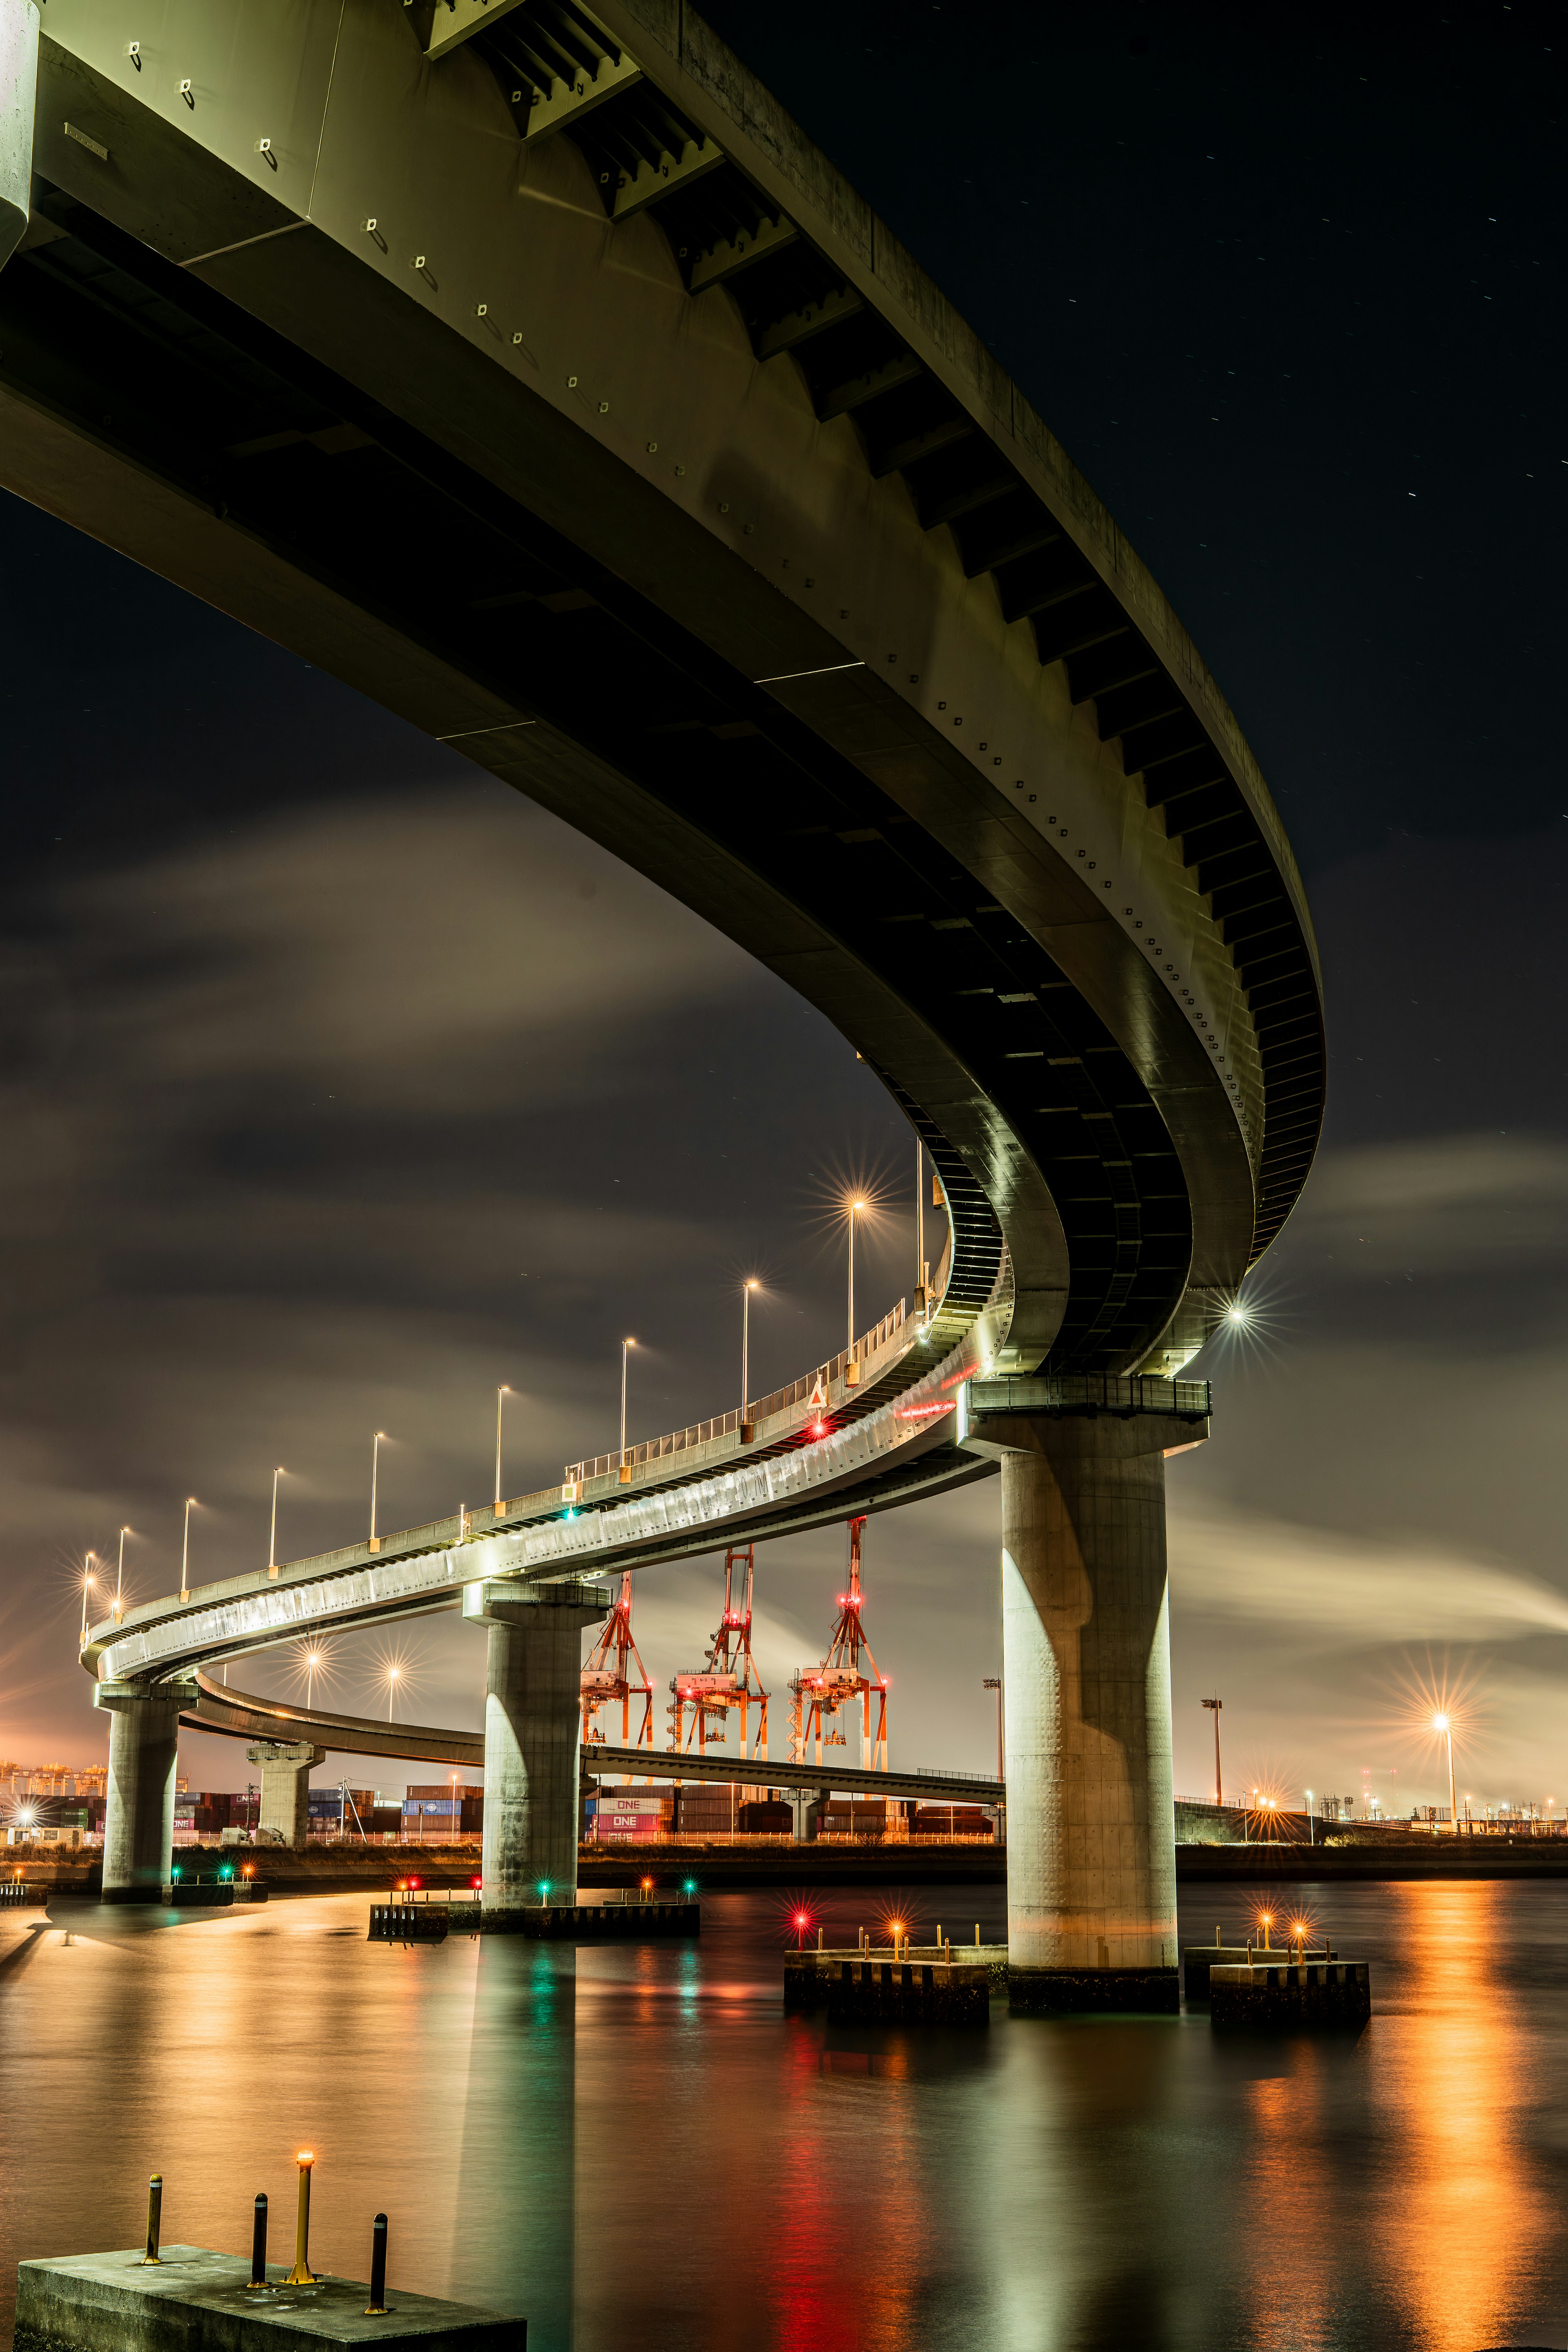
[638,2148]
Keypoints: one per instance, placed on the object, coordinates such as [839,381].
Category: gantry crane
[729,1678]
[820,1692]
[607,1676]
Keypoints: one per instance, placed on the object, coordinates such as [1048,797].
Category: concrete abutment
[139,1816]
[1091,1859]
[533,1724]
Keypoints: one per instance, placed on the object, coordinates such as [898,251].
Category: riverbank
[337,1869]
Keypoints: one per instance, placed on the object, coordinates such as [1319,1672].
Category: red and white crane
[849,1672]
[729,1681]
[607,1676]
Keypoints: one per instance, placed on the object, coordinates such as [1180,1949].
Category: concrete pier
[1091,1861]
[533,1723]
[920,1984]
[139,1817]
[286,1771]
[1278,1992]
[198,2300]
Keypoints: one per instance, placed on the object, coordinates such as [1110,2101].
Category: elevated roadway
[525,366]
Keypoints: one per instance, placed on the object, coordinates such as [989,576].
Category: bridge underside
[523,366]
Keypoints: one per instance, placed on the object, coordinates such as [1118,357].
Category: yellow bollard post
[303,2275]
[154,2217]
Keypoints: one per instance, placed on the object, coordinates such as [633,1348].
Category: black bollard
[375,2308]
[154,2217]
[259,2249]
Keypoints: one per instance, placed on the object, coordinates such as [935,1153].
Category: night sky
[341,1085]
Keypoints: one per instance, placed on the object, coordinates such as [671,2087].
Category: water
[635,2146]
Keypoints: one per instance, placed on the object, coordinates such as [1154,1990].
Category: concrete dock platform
[1200,1960]
[594,1923]
[923,1984]
[199,2300]
[1281,1993]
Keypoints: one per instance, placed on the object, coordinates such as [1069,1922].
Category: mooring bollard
[154,2217]
[376,2307]
[259,2248]
[303,2275]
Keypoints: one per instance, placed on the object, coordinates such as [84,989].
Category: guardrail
[810,1390]
[1089,1394]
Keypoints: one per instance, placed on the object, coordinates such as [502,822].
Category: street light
[393,1676]
[746,1289]
[273,1534]
[856,1208]
[627,1347]
[994,1682]
[501,1395]
[376,1444]
[1312,1824]
[1444,1724]
[89,1584]
[1216,1703]
[120,1578]
[186,1553]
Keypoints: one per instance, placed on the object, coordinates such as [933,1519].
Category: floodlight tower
[821,1691]
[729,1678]
[607,1676]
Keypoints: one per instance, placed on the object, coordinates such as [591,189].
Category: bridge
[524,365]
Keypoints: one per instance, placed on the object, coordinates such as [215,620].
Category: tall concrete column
[1091,1858]
[139,1816]
[286,1769]
[533,1726]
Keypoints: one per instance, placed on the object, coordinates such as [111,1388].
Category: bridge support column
[533,1728]
[139,1816]
[1091,1858]
[286,1769]
[807,1804]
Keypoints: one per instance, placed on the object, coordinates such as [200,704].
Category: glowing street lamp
[89,1584]
[120,1578]
[501,1395]
[393,1676]
[1444,1724]
[627,1347]
[314,1662]
[272,1533]
[856,1208]
[746,1289]
[186,1553]
[376,1444]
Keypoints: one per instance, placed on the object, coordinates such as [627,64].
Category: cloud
[1446,1204]
[1335,1591]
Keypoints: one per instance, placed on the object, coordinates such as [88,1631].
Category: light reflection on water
[636,2148]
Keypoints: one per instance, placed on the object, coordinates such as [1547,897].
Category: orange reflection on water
[1450,2062]
[1289,2185]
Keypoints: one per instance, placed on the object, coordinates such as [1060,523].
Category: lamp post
[376,1444]
[1444,1724]
[273,1534]
[627,1347]
[1218,1784]
[1312,1824]
[185,1553]
[994,1682]
[393,1676]
[856,1208]
[746,1289]
[120,1578]
[921,1268]
[89,1584]
[501,1395]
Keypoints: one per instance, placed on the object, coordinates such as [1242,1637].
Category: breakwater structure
[527,368]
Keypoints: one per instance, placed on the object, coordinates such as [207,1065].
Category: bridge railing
[813,1386]
[1090,1393]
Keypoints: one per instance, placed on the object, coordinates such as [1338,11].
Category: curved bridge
[523,364]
